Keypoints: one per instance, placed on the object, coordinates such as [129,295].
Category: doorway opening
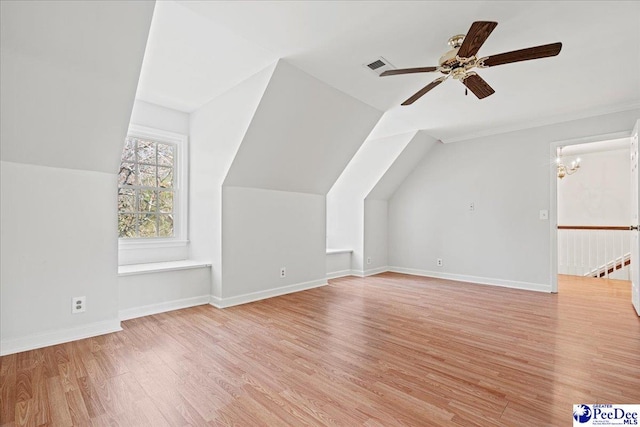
[592,183]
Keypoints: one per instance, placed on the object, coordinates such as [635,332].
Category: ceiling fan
[461,59]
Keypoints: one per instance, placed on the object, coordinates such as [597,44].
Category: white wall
[68,78]
[158,117]
[598,194]
[300,138]
[345,200]
[59,240]
[375,235]
[150,293]
[507,177]
[265,230]
[338,264]
[402,166]
[375,172]
[216,132]
[376,206]
[69,72]
[302,135]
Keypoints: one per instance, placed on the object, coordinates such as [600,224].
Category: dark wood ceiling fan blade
[424,90]
[408,71]
[536,52]
[478,86]
[475,38]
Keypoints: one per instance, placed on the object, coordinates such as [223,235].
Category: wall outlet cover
[78,305]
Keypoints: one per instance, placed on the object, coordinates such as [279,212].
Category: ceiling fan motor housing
[449,58]
[461,59]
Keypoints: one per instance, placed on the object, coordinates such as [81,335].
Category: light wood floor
[381,351]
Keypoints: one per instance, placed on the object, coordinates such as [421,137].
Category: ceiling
[597,146]
[197,50]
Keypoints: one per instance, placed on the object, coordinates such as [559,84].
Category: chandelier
[564,170]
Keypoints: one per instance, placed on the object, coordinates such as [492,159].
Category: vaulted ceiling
[198,50]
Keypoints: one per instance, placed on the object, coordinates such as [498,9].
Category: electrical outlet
[368,260]
[472,206]
[283,272]
[439,262]
[78,305]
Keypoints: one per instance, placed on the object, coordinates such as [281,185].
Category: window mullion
[157,192]
[136,169]
[143,164]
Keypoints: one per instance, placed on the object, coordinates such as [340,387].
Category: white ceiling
[197,50]
[597,146]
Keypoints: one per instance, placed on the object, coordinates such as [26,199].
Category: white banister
[594,251]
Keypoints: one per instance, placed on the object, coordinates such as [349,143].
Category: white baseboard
[341,273]
[373,271]
[538,287]
[46,339]
[147,310]
[269,293]
[370,272]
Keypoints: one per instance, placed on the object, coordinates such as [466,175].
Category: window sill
[157,267]
[339,251]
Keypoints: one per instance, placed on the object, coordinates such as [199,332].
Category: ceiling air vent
[379,65]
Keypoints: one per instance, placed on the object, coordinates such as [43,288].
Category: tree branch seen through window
[146,190]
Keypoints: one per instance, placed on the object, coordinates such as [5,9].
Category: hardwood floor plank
[42,407]
[7,397]
[8,364]
[60,353]
[90,397]
[25,413]
[152,413]
[77,408]
[189,413]
[23,385]
[94,371]
[59,409]
[386,350]
[167,403]
[68,377]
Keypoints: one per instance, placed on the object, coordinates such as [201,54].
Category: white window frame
[150,249]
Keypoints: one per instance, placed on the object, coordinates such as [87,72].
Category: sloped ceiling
[190,60]
[223,42]
[219,127]
[68,77]
[402,166]
[368,166]
[302,135]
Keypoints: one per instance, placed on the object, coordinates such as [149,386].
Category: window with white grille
[152,196]
[146,189]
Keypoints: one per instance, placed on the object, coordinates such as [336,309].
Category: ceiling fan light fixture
[456,41]
[461,59]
